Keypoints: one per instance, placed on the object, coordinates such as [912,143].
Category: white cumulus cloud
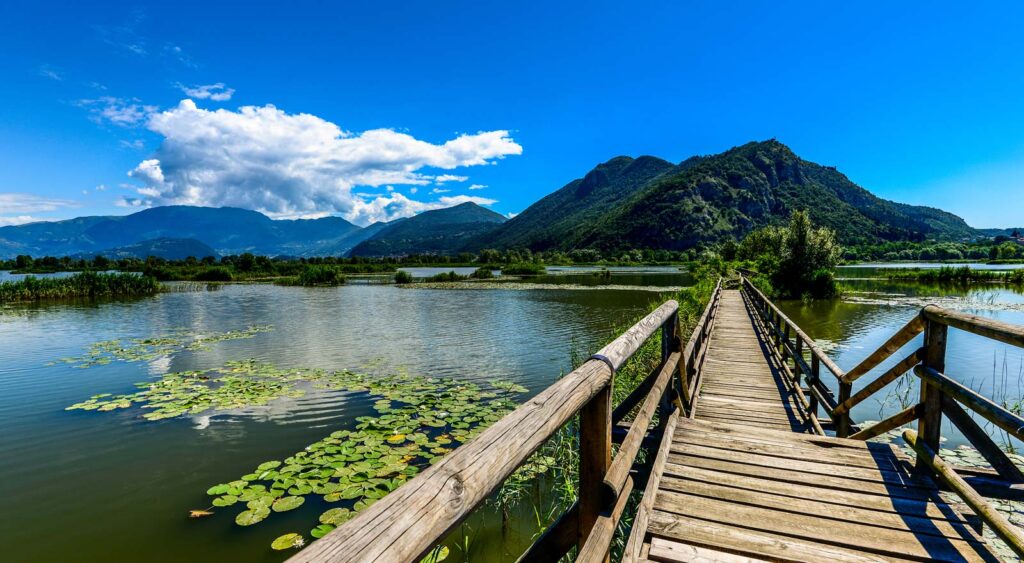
[478,186]
[449,178]
[217,92]
[296,165]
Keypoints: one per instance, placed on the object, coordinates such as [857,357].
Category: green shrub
[85,284]
[446,277]
[403,277]
[523,269]
[214,274]
[482,273]
[320,274]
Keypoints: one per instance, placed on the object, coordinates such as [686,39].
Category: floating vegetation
[419,419]
[147,349]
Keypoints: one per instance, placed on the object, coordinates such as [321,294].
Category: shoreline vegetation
[959,275]
[81,285]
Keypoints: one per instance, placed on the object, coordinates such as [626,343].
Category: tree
[798,259]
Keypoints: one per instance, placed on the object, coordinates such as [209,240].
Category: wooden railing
[941,396]
[406,524]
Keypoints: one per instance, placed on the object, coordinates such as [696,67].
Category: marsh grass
[84,284]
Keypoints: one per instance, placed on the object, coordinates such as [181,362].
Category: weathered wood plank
[856,535]
[673,552]
[643,513]
[773,546]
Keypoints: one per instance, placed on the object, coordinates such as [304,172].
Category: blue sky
[376,104]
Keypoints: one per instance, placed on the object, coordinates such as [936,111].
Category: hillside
[561,218]
[441,231]
[713,198]
[168,248]
[225,229]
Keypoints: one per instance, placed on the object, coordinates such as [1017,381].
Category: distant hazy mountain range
[624,203]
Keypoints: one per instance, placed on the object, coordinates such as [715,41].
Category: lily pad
[287,541]
[321,530]
[285,504]
[336,516]
[252,516]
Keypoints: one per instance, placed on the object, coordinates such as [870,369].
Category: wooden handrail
[996,330]
[891,346]
[406,524]
[808,341]
[1012,535]
[1009,422]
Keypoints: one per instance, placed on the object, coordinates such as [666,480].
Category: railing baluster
[595,458]
[813,380]
[930,424]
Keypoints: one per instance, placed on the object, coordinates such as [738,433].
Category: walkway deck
[742,481]
[742,382]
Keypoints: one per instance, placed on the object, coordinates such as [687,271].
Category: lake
[88,485]
[872,310]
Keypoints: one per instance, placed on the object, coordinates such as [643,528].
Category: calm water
[108,485]
[873,310]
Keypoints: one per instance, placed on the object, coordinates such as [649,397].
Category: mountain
[1002,232]
[169,248]
[709,199]
[561,218]
[228,230]
[441,231]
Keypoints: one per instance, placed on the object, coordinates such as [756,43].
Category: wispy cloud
[124,112]
[48,71]
[216,92]
[439,191]
[124,37]
[478,186]
[135,144]
[511,215]
[449,178]
[179,54]
[20,208]
[290,165]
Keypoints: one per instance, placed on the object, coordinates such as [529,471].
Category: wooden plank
[879,500]
[855,535]
[883,458]
[680,464]
[810,467]
[673,552]
[643,512]
[836,514]
[687,425]
[742,541]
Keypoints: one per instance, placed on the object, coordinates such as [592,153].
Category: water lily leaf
[285,504]
[321,530]
[226,500]
[287,541]
[336,516]
[268,465]
[217,490]
[250,517]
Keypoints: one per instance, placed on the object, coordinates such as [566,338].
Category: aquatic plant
[403,277]
[147,349]
[84,284]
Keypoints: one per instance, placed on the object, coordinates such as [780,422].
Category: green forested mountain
[713,198]
[563,217]
[441,231]
[168,248]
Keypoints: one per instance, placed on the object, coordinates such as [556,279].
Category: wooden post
[785,343]
[669,344]
[929,427]
[595,458]
[800,354]
[815,372]
[842,421]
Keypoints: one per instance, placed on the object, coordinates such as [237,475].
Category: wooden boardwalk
[742,480]
[742,381]
[741,451]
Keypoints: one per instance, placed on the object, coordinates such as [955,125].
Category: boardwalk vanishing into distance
[750,455]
